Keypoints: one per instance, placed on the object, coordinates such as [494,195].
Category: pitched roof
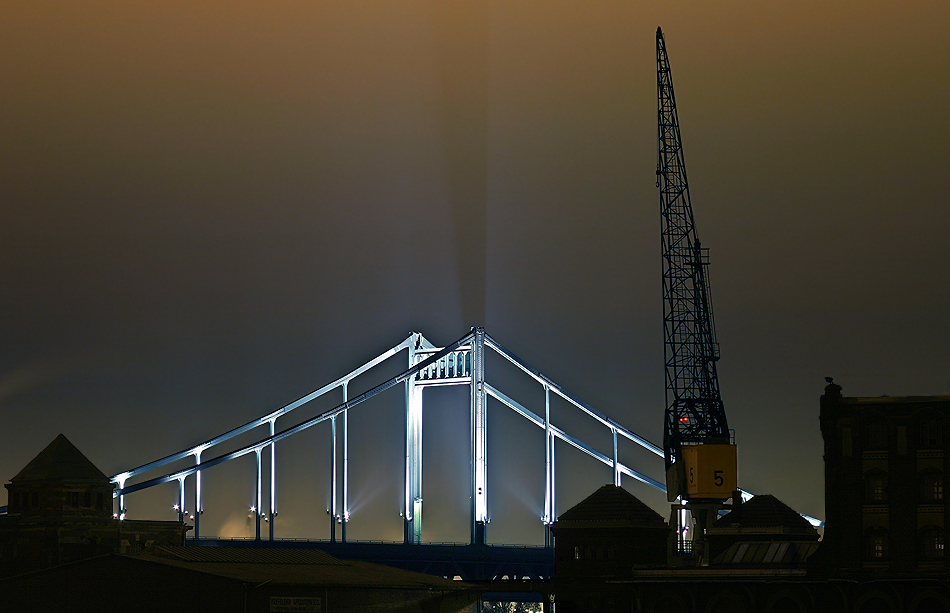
[614,504]
[60,461]
[245,555]
[765,511]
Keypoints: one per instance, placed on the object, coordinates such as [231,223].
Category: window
[876,544]
[36,499]
[930,434]
[87,499]
[931,486]
[846,442]
[931,542]
[15,501]
[74,499]
[875,486]
[99,501]
[875,436]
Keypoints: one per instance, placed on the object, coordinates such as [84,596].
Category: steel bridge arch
[460,363]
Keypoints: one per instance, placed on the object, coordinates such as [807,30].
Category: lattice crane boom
[694,410]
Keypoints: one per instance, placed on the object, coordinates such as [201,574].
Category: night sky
[210,209]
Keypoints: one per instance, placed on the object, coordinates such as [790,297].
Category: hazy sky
[209,209]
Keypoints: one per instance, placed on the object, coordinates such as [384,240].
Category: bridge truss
[460,363]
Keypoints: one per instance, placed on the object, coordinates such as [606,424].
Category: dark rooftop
[60,461]
[892,399]
[294,567]
[614,504]
[765,511]
[241,555]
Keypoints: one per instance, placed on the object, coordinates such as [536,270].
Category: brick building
[608,533]
[59,510]
[885,511]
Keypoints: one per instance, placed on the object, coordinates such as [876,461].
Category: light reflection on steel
[460,363]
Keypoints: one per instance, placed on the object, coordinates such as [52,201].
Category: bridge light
[175,506]
[121,478]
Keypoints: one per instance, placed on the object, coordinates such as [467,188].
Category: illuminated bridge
[461,363]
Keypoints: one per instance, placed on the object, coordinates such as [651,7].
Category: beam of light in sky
[203,208]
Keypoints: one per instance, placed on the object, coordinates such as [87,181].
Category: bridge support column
[549,491]
[198,508]
[479,440]
[120,513]
[337,514]
[273,483]
[616,459]
[181,499]
[257,498]
[345,515]
[332,511]
[412,506]
[478,535]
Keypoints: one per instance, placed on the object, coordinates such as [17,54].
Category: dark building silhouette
[232,580]
[611,555]
[607,534]
[763,529]
[59,510]
[882,549]
[885,511]
[61,549]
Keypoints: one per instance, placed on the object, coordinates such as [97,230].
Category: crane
[700,459]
